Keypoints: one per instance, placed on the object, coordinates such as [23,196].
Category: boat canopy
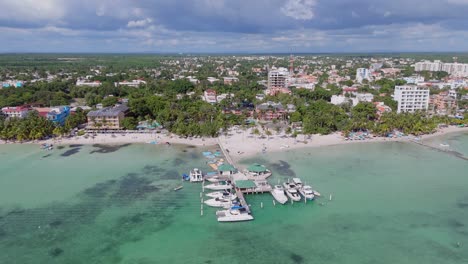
[226,167]
[256,168]
[245,184]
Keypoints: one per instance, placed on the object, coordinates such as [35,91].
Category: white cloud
[299,9]
[139,23]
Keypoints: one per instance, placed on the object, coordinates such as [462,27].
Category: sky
[252,26]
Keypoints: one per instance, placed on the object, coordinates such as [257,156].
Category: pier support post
[274,203]
[261,204]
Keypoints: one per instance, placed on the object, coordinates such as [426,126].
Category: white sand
[243,144]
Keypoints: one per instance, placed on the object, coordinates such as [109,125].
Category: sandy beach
[240,143]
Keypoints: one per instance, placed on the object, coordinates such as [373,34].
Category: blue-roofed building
[19,84]
[5,85]
[59,114]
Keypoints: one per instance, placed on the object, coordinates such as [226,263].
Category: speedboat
[445,145]
[307,192]
[291,191]
[220,194]
[218,186]
[196,175]
[298,183]
[233,215]
[278,194]
[218,202]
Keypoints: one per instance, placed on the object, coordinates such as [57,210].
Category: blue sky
[233,25]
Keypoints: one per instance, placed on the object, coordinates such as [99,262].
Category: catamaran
[291,191]
[233,215]
[307,192]
[221,194]
[219,186]
[278,194]
[196,175]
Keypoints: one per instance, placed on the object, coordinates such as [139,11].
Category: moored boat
[233,215]
[307,192]
[218,186]
[297,182]
[218,202]
[221,194]
[196,175]
[291,191]
[278,194]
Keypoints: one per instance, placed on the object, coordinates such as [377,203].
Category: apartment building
[411,98]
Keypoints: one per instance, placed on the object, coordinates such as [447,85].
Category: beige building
[107,118]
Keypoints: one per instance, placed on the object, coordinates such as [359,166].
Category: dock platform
[240,196]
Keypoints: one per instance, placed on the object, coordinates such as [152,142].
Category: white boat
[219,186]
[196,175]
[233,215]
[291,191]
[224,195]
[218,202]
[278,194]
[212,179]
[444,145]
[297,182]
[178,188]
[307,192]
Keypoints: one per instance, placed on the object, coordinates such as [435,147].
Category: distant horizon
[233,53]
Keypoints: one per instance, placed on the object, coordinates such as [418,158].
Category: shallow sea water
[391,203]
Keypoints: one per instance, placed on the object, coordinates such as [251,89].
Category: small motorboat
[196,175]
[219,186]
[178,188]
[278,194]
[444,145]
[218,202]
[233,215]
[222,194]
[307,192]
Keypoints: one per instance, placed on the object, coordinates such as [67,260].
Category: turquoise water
[391,203]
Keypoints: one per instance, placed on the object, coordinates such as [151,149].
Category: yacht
[307,192]
[233,215]
[222,194]
[297,182]
[291,191]
[278,194]
[218,202]
[196,175]
[219,186]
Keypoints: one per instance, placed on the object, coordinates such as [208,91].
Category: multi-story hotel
[411,98]
[107,118]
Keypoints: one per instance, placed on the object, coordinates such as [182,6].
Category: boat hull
[279,197]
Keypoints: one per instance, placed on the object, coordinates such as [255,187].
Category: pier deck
[241,197]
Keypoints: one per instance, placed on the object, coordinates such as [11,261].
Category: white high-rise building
[411,98]
[362,74]
[278,78]
[457,69]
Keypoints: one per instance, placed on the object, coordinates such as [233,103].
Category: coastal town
[265,95]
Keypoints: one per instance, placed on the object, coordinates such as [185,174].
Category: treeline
[36,127]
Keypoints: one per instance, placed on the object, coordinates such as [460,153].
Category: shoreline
[241,144]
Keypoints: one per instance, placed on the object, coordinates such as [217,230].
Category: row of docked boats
[233,210]
[294,190]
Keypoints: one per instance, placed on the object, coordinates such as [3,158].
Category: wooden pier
[240,196]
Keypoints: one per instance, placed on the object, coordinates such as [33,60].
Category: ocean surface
[391,203]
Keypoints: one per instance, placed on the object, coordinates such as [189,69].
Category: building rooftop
[109,111]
